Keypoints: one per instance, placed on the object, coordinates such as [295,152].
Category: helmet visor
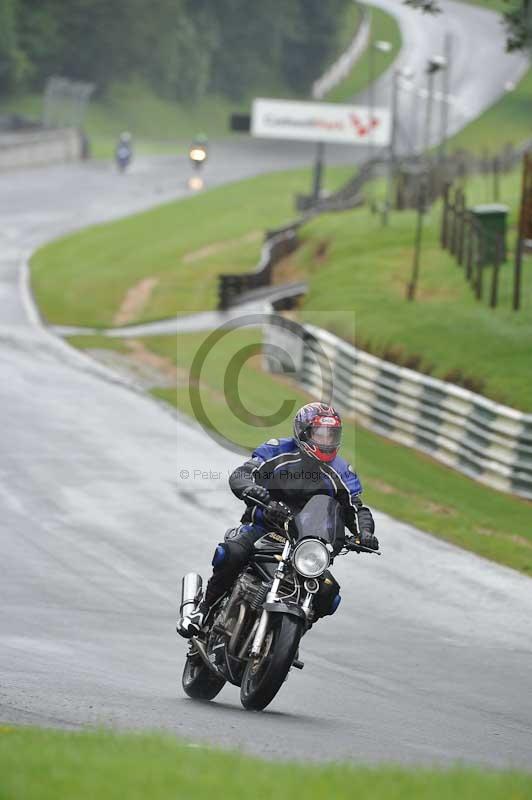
[326,437]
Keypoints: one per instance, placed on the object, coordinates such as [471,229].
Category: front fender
[285,608]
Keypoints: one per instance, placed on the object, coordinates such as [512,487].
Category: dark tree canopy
[182,48]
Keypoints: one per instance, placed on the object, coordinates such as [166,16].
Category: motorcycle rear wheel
[198,681]
[264,676]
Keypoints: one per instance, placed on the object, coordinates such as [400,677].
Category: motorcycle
[252,635]
[198,158]
[123,155]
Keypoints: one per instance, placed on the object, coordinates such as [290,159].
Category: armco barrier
[469,433]
[233,288]
[278,244]
[28,149]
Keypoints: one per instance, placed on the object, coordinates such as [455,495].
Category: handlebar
[359,548]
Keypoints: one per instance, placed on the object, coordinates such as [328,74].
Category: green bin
[492,219]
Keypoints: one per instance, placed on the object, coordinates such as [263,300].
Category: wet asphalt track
[428,659]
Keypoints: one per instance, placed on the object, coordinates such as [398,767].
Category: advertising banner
[320,122]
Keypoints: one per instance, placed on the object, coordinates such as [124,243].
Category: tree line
[184,49]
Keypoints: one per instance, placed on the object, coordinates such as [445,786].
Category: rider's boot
[192,623]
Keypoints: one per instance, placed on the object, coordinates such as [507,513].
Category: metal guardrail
[487,441]
[233,288]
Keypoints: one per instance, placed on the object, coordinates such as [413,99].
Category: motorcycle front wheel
[198,681]
[264,675]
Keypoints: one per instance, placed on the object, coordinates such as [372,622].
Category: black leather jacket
[294,477]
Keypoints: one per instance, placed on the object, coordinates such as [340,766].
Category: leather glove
[368,539]
[277,513]
[256,492]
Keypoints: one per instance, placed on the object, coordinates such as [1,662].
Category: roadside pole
[446,88]
[382,47]
[391,159]
[412,286]
[319,164]
[435,64]
[371,76]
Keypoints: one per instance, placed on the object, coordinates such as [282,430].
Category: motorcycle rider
[124,150]
[283,474]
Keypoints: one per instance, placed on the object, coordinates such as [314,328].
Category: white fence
[469,433]
[345,63]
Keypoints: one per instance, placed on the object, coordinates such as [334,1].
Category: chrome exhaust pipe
[191,587]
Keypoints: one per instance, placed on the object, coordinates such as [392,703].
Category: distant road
[480,66]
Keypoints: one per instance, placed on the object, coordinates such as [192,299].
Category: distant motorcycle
[123,152]
[252,636]
[198,153]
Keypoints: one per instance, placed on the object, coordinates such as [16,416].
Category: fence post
[517,273]
[422,195]
[496,176]
[479,259]
[444,233]
[470,250]
[497,260]
[461,222]
[452,242]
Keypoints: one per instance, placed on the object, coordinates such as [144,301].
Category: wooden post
[479,259]
[444,233]
[411,288]
[496,181]
[517,273]
[470,248]
[461,222]
[317,177]
[525,226]
[495,273]
[455,207]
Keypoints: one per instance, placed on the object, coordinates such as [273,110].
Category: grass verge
[408,485]
[182,246]
[349,259]
[384,28]
[53,765]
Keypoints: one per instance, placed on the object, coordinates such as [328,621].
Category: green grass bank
[383,28]
[405,484]
[183,246]
[351,262]
[354,264]
[50,765]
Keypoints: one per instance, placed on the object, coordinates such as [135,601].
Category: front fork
[271,597]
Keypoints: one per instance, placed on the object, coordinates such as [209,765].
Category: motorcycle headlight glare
[197,154]
[311,558]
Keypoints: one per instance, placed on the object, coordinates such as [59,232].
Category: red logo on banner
[361,128]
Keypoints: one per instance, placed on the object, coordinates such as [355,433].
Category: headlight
[197,154]
[311,558]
